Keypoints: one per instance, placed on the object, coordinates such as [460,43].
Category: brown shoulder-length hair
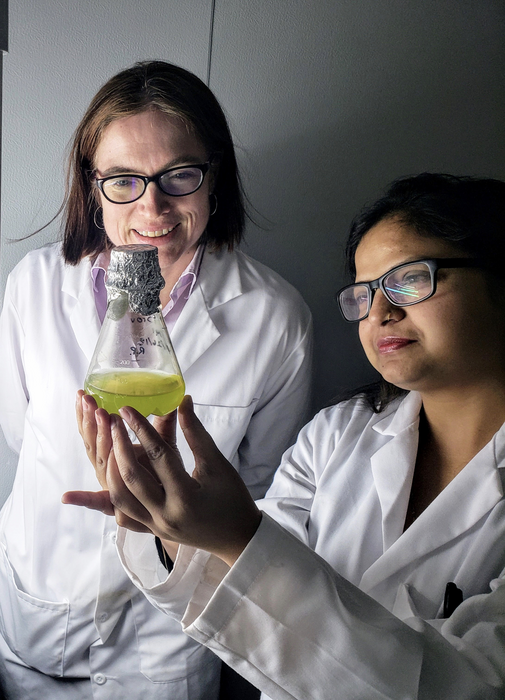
[176,92]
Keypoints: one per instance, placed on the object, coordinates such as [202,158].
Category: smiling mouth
[390,344]
[157,233]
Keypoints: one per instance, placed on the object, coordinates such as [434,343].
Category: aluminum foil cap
[135,269]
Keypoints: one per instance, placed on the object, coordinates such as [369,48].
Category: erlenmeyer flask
[134,363]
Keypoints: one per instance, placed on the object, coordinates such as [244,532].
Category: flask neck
[145,303]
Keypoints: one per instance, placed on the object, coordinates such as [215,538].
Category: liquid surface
[150,392]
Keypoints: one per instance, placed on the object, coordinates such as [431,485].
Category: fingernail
[125,413]
[98,418]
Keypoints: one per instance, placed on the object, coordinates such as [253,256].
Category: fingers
[128,523]
[85,409]
[131,485]
[89,499]
[78,410]
[94,427]
[166,427]
[103,444]
[164,458]
[201,443]
[100,501]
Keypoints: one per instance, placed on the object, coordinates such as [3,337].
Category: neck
[461,422]
[454,427]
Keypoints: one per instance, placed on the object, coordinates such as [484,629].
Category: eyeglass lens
[127,188]
[408,284]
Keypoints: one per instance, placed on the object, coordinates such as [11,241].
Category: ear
[95,194]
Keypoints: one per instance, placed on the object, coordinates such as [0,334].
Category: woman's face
[451,339]
[146,144]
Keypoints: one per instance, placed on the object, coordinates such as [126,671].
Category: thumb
[94,500]
[166,426]
[199,440]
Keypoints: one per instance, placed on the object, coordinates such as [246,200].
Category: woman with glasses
[152,161]
[375,566]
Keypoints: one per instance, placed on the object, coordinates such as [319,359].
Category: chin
[401,380]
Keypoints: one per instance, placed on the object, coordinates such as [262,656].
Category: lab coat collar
[78,288]
[444,519]
[219,281]
[393,464]
[399,417]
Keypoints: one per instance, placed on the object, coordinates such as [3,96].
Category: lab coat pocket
[226,424]
[34,629]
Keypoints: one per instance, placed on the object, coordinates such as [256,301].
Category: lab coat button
[102,617]
[99,678]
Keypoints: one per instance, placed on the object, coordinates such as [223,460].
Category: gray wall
[329,100]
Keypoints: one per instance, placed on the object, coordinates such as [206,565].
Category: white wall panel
[330,101]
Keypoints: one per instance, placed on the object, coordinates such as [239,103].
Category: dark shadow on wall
[311,184]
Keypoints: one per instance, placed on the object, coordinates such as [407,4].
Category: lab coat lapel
[444,520]
[393,465]
[80,301]
[218,281]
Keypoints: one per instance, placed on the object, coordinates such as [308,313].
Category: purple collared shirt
[179,295]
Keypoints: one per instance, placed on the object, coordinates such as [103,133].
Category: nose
[154,201]
[382,311]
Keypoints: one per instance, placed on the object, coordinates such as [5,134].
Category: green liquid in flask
[150,392]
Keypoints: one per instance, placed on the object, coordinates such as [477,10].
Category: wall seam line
[211,38]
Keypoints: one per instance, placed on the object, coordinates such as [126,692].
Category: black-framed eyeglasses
[403,285]
[177,182]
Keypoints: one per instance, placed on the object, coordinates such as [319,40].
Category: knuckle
[155,452]
[121,518]
[135,425]
[129,476]
[115,499]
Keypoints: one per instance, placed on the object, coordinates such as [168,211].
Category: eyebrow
[123,170]
[407,262]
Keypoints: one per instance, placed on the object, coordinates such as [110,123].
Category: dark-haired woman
[152,162]
[393,585]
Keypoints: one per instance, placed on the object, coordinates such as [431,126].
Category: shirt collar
[184,285]
[186,282]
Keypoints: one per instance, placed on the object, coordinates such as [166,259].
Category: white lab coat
[285,619]
[243,341]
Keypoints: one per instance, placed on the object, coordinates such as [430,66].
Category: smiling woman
[430,345]
[152,161]
[393,585]
[444,217]
[146,144]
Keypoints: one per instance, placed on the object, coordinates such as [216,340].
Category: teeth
[156,234]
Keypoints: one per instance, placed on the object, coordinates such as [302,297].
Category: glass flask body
[134,363]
